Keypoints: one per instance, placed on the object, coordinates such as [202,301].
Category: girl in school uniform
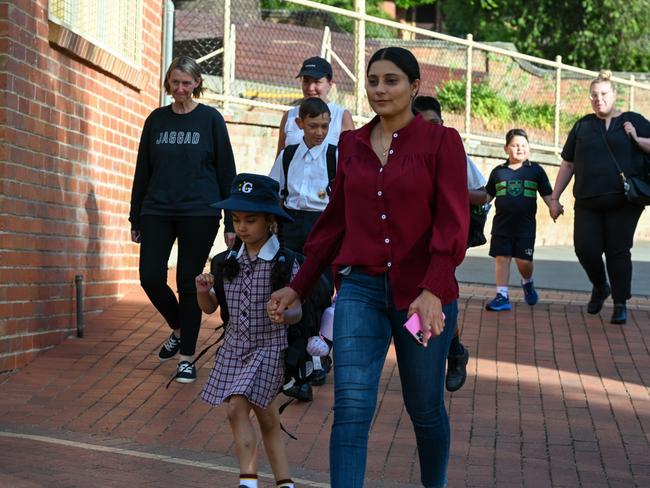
[249,367]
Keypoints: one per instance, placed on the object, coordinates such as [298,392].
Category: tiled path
[554,398]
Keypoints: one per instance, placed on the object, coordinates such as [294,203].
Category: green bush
[493,109]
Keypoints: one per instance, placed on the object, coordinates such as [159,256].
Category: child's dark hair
[400,57]
[313,107]
[280,272]
[422,103]
[515,132]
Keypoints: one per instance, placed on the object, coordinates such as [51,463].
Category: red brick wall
[68,140]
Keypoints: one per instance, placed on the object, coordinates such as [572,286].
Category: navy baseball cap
[254,193]
[316,67]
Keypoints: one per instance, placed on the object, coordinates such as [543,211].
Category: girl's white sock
[503,290]
[285,484]
[248,480]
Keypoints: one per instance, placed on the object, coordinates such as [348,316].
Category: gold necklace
[384,149]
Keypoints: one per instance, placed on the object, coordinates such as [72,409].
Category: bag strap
[287,157]
[618,166]
[331,167]
[290,152]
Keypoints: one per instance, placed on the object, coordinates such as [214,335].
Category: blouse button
[383,216]
[395,135]
[391,151]
[381,170]
[389,264]
[387,240]
[379,193]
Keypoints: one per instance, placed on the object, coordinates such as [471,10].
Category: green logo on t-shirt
[515,187]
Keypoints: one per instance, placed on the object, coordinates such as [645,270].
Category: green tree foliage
[593,34]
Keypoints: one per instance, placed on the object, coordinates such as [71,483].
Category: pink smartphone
[414,327]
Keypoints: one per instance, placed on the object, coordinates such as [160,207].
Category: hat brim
[240,205]
[313,73]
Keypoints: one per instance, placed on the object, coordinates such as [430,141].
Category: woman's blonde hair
[604,76]
[188,66]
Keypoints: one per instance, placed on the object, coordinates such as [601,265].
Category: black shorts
[517,247]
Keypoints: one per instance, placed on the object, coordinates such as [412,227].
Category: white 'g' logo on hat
[247,187]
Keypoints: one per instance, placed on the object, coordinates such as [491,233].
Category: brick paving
[555,398]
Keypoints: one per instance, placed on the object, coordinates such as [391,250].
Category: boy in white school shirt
[305,173]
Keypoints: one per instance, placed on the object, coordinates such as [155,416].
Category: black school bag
[299,367]
[477,219]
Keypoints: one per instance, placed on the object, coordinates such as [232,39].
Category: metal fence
[121,36]
[252,55]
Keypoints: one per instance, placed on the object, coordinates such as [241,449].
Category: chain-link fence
[252,54]
[114,25]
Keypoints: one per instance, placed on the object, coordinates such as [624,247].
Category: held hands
[279,302]
[555,209]
[429,308]
[204,282]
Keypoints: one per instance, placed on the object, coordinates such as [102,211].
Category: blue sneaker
[530,294]
[499,303]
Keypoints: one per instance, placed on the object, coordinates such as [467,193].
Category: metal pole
[168,47]
[632,93]
[79,286]
[326,45]
[468,87]
[558,101]
[359,55]
[228,55]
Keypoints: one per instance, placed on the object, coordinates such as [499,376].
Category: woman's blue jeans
[365,319]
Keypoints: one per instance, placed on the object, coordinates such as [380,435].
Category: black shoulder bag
[637,190]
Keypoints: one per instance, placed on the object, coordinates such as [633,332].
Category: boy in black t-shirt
[515,184]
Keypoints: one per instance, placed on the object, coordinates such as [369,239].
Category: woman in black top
[185,163]
[604,220]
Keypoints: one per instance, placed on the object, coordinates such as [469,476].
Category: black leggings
[610,231]
[195,237]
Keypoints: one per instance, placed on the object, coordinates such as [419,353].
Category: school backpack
[287,157]
[299,366]
[477,219]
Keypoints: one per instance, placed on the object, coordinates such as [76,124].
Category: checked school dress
[250,362]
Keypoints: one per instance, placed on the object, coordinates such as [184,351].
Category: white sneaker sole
[185,380]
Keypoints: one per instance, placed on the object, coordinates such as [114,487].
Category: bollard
[79,284]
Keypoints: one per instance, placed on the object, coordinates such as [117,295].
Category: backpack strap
[287,157]
[331,167]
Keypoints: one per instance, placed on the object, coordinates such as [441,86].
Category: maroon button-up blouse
[408,218]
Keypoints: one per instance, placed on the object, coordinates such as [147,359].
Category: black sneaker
[320,375]
[598,297]
[185,372]
[456,371]
[302,393]
[619,316]
[170,348]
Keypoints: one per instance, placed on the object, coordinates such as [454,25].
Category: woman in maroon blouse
[395,230]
